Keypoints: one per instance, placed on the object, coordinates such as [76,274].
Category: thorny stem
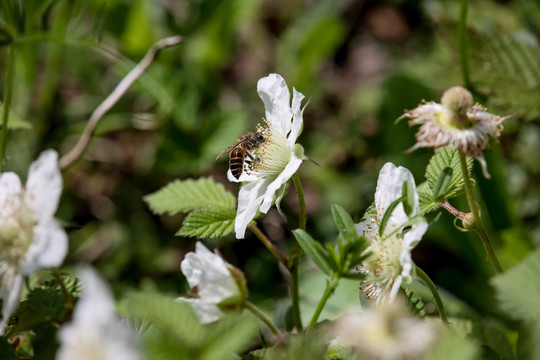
[479,224]
[67,295]
[114,96]
[261,316]
[462,42]
[331,285]
[435,292]
[8,90]
[269,245]
[295,256]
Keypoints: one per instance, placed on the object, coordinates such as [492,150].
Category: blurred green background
[361,63]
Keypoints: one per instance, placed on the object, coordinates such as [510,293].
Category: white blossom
[96,332]
[390,261]
[384,332]
[278,158]
[30,237]
[212,280]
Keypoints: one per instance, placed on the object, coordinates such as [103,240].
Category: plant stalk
[479,224]
[462,43]
[435,292]
[269,245]
[262,316]
[331,285]
[8,91]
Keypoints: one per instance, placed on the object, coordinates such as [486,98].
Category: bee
[240,150]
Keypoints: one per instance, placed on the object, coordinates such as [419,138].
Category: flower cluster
[30,237]
[390,261]
[278,158]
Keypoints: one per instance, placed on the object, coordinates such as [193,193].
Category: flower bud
[468,221]
[457,100]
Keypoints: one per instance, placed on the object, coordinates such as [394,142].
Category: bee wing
[228,150]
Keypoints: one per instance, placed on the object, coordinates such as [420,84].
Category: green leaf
[446,157]
[316,253]
[407,195]
[208,223]
[387,215]
[518,290]
[443,182]
[426,203]
[187,195]
[231,334]
[344,222]
[15,122]
[173,317]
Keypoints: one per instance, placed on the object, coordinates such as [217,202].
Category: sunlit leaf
[208,223]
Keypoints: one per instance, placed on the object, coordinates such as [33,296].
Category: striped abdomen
[236,161]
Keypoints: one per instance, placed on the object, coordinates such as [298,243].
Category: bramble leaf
[318,254]
[208,223]
[443,174]
[187,195]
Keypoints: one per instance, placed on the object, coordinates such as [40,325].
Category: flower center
[272,156]
[16,231]
[382,267]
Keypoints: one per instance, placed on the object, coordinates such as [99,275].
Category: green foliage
[496,59]
[211,205]
[176,333]
[316,252]
[444,178]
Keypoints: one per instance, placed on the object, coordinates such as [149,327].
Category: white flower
[457,121]
[30,237]
[214,282]
[390,261]
[96,332]
[278,158]
[384,332]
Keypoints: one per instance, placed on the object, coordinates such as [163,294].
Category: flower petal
[395,288]
[10,186]
[250,197]
[44,184]
[296,125]
[205,311]
[414,235]
[10,291]
[389,184]
[48,249]
[244,177]
[276,97]
[282,178]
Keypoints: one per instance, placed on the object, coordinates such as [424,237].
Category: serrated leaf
[208,223]
[426,203]
[174,318]
[315,253]
[499,59]
[518,290]
[442,184]
[446,157]
[187,195]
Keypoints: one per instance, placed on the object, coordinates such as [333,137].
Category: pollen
[272,156]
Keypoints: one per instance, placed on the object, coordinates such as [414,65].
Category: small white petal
[10,292]
[276,97]
[389,189]
[48,249]
[282,178]
[44,184]
[243,177]
[205,311]
[414,235]
[250,197]
[10,186]
[395,288]
[296,125]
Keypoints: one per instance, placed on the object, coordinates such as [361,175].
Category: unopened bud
[468,221]
[458,101]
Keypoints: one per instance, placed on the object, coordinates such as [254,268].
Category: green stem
[301,202]
[264,239]
[462,43]
[295,257]
[433,289]
[67,295]
[331,285]
[8,89]
[479,224]
[261,316]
